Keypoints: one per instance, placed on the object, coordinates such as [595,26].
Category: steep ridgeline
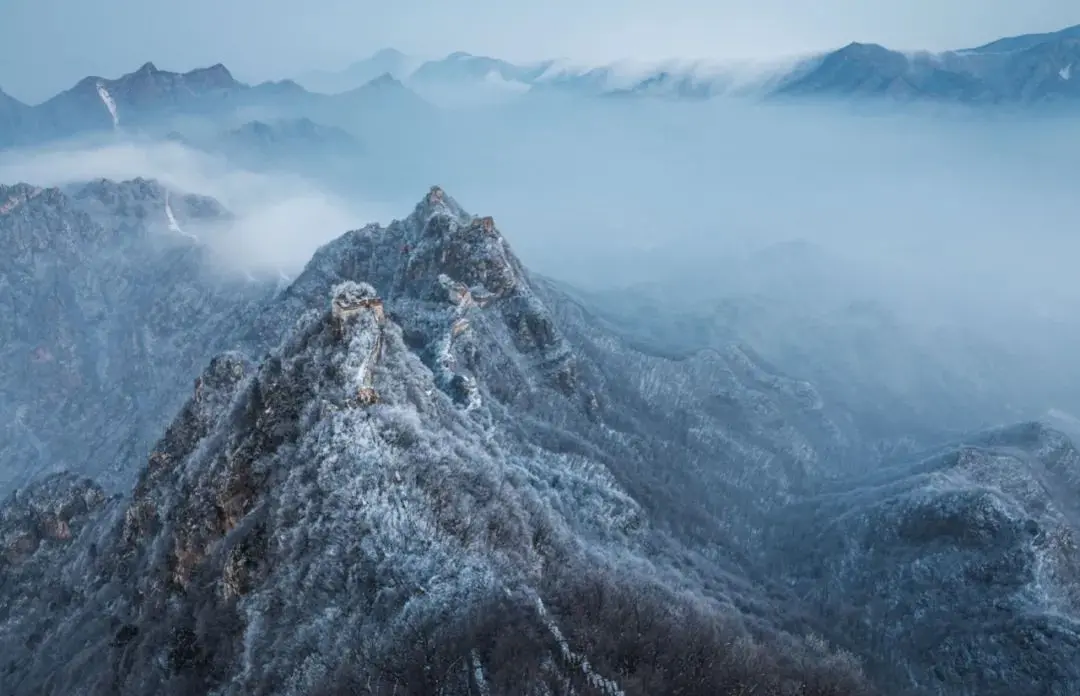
[513,347]
[136,99]
[108,311]
[430,487]
[958,573]
[98,104]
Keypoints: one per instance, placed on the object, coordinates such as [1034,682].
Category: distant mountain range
[1021,69]
[263,143]
[148,97]
[388,61]
[327,154]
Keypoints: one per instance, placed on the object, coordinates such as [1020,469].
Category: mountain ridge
[408,481]
[147,96]
[419,467]
[953,75]
[1028,70]
[90,268]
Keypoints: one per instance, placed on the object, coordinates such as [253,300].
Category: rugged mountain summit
[412,492]
[494,335]
[97,103]
[108,309]
[444,268]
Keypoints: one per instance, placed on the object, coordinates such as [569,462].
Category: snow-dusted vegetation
[424,470]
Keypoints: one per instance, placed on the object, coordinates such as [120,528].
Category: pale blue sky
[46,45]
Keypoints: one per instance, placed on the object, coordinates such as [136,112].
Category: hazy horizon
[46,47]
[948,223]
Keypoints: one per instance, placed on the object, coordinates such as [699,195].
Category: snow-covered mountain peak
[442,238]
[467,304]
[150,87]
[437,202]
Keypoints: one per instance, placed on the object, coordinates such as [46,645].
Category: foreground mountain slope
[958,573]
[406,495]
[452,477]
[106,315]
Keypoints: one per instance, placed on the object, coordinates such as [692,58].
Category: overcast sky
[47,45]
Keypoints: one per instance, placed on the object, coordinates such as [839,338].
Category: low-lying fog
[954,229]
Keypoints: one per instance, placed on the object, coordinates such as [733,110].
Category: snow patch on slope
[174,226]
[109,103]
[598,682]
